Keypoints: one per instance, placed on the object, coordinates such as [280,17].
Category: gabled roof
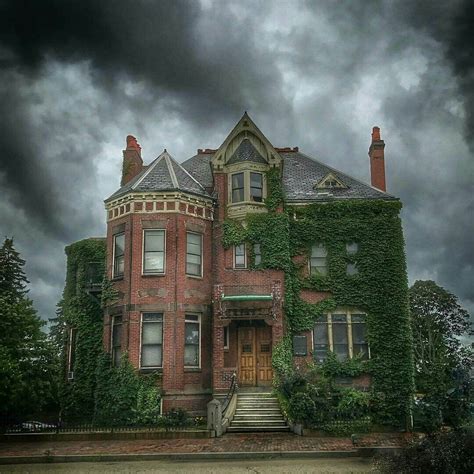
[163,174]
[246,152]
[199,166]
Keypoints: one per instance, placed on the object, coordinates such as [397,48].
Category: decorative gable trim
[245,128]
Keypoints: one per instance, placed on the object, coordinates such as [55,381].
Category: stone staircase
[257,411]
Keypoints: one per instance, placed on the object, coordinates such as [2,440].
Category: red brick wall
[174,294]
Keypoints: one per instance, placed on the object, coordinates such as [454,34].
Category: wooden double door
[255,355]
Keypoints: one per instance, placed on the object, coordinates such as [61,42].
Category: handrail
[232,389]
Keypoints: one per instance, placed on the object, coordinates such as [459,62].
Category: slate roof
[301,173]
[199,166]
[246,152]
[300,176]
[163,174]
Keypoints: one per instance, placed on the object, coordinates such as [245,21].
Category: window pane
[358,333]
[193,269]
[196,259]
[117,335]
[352,248]
[154,241]
[154,261]
[152,317]
[151,356]
[238,195]
[117,353]
[119,244]
[192,333]
[152,333]
[358,318]
[321,334]
[191,356]
[194,239]
[319,250]
[119,266]
[240,249]
[256,180]
[352,269]
[237,180]
[339,336]
[192,317]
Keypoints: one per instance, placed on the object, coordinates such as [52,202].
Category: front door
[247,375]
[255,355]
[264,355]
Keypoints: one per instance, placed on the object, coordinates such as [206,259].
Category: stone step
[258,416]
[257,411]
[258,423]
[252,429]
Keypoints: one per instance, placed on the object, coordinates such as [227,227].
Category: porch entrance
[255,355]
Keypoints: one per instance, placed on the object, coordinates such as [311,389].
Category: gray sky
[76,77]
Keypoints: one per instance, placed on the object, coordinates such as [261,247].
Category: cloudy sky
[76,77]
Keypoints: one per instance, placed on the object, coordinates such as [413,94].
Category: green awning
[247,298]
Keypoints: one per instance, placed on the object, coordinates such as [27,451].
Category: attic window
[330,181]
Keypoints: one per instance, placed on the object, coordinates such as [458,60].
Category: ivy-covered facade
[259,261]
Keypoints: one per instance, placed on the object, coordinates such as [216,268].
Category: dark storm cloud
[77,76]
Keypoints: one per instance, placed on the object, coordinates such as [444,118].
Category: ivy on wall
[286,234]
[80,310]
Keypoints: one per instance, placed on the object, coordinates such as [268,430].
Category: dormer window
[238,187]
[330,181]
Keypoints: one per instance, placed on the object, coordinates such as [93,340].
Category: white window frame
[250,186]
[143,252]
[162,339]
[113,323]
[114,274]
[348,313]
[199,317]
[326,257]
[202,256]
[245,256]
[232,187]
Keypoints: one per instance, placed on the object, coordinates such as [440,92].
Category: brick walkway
[255,442]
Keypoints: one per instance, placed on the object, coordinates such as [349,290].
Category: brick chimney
[132,160]
[377,160]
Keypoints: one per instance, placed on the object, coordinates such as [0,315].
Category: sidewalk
[239,445]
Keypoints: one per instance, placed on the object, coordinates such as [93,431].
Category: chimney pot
[375,134]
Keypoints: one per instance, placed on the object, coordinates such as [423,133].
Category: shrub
[440,453]
[427,416]
[301,407]
[353,404]
[175,418]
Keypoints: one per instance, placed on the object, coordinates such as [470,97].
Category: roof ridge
[148,171]
[171,170]
[189,174]
[344,174]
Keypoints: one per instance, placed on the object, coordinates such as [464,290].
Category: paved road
[263,466]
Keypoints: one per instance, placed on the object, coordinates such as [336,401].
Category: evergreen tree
[27,361]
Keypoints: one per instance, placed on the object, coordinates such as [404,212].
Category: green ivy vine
[379,288]
[82,311]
